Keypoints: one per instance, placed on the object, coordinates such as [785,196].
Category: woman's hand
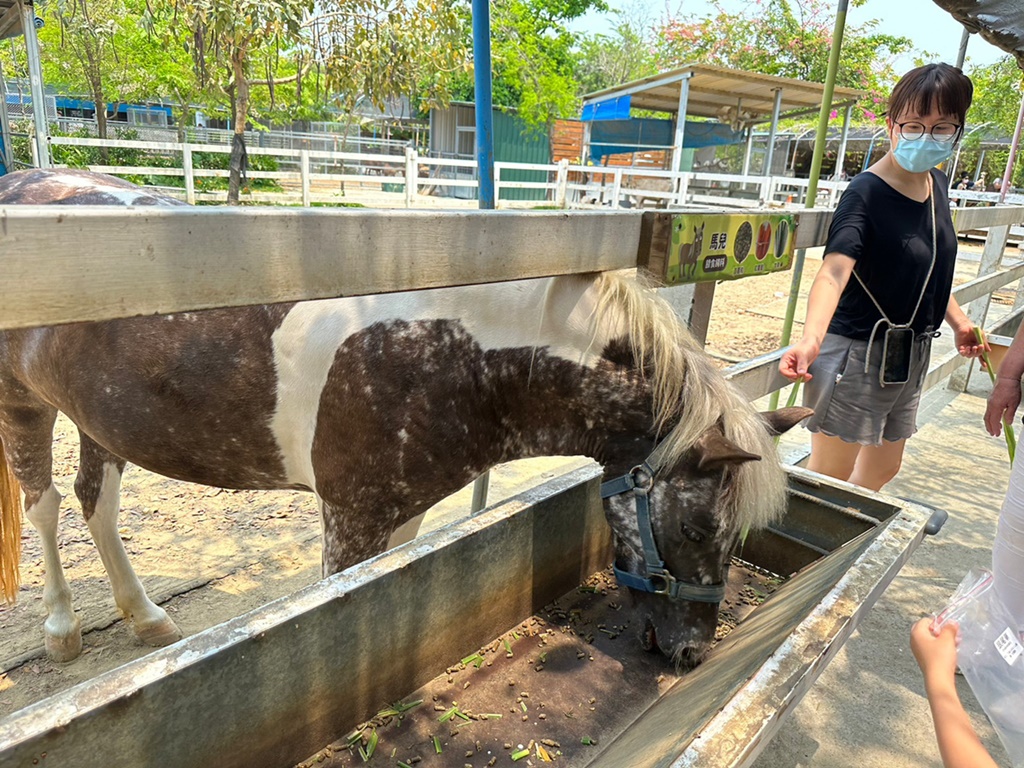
[1002,404]
[967,342]
[797,359]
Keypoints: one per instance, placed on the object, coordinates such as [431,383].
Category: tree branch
[282,80]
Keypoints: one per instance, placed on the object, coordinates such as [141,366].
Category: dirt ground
[207,555]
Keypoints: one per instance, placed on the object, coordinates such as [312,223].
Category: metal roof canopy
[17,18]
[712,90]
[728,95]
[10,19]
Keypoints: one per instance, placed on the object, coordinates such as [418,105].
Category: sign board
[727,246]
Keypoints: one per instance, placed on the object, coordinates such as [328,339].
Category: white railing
[562,184]
[566,185]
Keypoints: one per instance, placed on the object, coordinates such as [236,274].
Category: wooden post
[616,187]
[684,187]
[190,179]
[561,183]
[410,176]
[977,311]
[304,172]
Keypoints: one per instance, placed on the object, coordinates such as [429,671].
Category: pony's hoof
[64,649]
[159,634]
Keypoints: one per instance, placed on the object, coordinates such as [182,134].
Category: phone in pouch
[897,351]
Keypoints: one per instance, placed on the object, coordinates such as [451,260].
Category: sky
[931,28]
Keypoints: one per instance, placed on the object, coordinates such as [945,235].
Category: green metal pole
[812,186]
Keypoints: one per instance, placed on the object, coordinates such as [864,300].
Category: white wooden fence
[566,185]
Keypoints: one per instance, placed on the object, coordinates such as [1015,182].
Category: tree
[532,58]
[375,48]
[998,89]
[787,38]
[97,47]
[383,49]
[224,34]
[625,55]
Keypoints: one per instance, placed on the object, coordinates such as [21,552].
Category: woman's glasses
[941,132]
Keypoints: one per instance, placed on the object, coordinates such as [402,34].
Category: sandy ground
[208,555]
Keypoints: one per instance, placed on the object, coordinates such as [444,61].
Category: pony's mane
[690,395]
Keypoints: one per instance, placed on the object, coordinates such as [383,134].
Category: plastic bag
[991,657]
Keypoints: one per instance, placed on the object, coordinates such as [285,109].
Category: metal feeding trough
[484,622]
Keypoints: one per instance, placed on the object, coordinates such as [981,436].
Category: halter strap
[658,579]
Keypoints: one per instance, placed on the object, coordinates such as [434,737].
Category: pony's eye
[693,534]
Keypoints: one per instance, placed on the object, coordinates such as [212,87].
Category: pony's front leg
[352,534]
[98,487]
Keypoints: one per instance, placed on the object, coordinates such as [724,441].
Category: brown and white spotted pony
[381,406]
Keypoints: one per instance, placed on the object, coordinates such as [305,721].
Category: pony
[382,405]
[690,253]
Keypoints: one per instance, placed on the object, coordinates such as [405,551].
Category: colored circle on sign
[764,240]
[781,238]
[741,244]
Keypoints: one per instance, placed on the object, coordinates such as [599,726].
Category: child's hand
[935,653]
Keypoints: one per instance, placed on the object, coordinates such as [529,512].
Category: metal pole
[484,154]
[5,128]
[962,53]
[484,102]
[749,149]
[841,155]
[1013,152]
[35,80]
[812,186]
[684,100]
[776,110]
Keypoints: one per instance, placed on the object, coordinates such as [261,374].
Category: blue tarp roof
[615,137]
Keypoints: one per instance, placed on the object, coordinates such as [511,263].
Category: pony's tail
[10,530]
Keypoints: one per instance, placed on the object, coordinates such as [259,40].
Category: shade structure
[729,95]
[1000,22]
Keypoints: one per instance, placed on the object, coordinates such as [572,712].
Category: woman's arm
[828,286]
[1005,396]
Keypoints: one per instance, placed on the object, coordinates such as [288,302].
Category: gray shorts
[851,404]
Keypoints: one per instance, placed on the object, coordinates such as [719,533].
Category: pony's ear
[784,419]
[715,451]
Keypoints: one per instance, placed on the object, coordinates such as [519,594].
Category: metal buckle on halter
[660,582]
[641,478]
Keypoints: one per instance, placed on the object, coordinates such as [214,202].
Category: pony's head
[679,498]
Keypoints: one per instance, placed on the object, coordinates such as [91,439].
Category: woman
[884,287]
[1008,548]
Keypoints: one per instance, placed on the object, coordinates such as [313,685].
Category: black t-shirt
[890,237]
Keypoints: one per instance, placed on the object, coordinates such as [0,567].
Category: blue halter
[658,580]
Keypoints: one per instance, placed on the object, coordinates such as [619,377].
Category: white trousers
[1008,549]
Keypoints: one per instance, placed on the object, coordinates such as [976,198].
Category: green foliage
[627,54]
[787,38]
[532,58]
[998,90]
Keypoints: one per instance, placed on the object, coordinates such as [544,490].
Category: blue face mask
[920,155]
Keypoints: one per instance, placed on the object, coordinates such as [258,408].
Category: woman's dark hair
[940,85]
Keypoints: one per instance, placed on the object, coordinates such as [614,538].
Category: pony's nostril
[649,637]
[687,657]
